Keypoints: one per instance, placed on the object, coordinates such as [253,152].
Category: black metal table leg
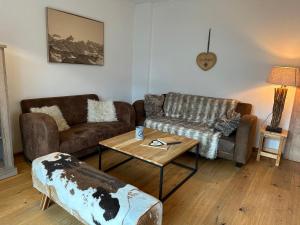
[117,165]
[161,181]
[197,156]
[100,150]
[192,169]
[161,178]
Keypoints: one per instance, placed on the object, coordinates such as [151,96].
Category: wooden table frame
[267,152]
[161,167]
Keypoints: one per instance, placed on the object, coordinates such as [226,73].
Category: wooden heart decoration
[206,60]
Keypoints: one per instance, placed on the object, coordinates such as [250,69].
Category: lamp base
[274,129]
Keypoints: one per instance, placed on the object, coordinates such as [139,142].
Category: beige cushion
[55,113]
[101,111]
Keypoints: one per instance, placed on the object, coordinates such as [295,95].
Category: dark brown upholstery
[125,113]
[73,108]
[245,138]
[238,146]
[243,108]
[89,134]
[40,134]
[140,114]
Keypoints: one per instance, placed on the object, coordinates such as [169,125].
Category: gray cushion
[229,123]
[154,105]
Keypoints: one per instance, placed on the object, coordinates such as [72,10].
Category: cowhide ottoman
[92,196]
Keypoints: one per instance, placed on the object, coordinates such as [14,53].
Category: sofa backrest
[243,108]
[74,108]
[196,108]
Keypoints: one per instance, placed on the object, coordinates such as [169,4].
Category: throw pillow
[55,113]
[229,123]
[154,105]
[100,111]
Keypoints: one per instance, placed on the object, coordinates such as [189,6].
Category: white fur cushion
[99,111]
[55,113]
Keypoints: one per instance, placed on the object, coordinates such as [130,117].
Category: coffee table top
[127,144]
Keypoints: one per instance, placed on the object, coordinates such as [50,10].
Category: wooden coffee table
[128,145]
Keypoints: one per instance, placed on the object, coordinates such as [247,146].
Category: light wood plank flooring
[218,194]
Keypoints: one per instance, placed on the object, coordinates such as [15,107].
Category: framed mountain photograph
[74,39]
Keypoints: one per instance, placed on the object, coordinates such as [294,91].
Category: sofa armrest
[125,113]
[40,135]
[140,114]
[245,138]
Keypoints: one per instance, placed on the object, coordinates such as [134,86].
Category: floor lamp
[284,76]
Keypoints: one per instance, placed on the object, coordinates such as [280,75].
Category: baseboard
[293,156]
[7,172]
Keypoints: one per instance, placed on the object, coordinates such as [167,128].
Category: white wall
[142,49]
[247,36]
[23,29]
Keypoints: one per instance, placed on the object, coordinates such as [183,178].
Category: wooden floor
[218,194]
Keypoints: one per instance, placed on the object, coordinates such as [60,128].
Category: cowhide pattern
[96,197]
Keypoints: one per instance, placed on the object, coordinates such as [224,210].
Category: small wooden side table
[269,152]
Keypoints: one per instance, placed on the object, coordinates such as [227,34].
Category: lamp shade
[286,76]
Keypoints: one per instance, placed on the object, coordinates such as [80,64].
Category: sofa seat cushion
[206,135]
[88,135]
[226,147]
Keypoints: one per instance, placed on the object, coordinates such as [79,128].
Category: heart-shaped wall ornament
[206,60]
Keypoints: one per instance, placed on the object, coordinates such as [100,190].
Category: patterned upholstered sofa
[194,116]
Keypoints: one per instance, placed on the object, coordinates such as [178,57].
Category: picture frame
[74,39]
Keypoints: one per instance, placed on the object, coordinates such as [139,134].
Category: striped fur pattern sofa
[194,116]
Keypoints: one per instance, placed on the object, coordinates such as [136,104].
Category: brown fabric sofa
[238,146]
[40,134]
